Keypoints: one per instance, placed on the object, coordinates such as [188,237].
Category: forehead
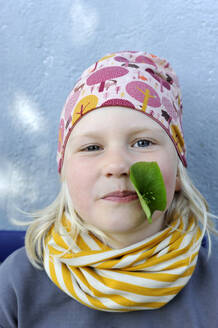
[114,119]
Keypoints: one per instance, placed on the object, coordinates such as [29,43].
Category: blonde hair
[188,201]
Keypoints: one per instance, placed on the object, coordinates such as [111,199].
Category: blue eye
[145,142]
[89,147]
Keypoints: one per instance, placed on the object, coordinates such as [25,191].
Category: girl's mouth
[123,199]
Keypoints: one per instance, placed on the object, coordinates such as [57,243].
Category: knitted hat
[137,80]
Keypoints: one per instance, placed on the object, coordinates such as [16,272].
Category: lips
[121,194]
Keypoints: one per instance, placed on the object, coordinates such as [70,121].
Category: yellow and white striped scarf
[143,276]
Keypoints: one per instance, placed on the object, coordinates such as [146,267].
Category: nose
[116,164]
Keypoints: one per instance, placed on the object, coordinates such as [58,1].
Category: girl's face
[99,164]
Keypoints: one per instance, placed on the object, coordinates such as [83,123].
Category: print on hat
[144,93]
[104,74]
[130,79]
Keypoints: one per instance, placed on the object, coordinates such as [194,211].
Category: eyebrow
[131,132]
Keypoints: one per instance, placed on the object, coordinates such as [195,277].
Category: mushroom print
[177,136]
[166,116]
[139,59]
[84,105]
[144,59]
[170,110]
[104,74]
[72,99]
[160,79]
[106,57]
[143,93]
[127,63]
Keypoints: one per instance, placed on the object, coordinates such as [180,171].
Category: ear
[178,182]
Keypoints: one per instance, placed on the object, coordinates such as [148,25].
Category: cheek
[79,180]
[170,188]
[169,175]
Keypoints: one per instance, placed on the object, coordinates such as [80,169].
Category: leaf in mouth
[149,185]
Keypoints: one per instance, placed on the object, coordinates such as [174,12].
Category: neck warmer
[143,276]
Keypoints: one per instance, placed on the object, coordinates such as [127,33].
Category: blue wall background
[45,45]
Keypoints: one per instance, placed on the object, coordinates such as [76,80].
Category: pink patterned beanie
[137,80]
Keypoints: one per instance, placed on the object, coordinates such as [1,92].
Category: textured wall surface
[45,45]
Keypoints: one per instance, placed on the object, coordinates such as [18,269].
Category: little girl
[92,258]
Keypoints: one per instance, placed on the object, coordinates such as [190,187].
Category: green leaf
[149,184]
